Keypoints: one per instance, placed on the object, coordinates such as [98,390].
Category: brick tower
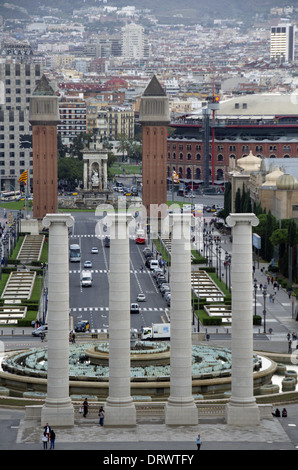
[44,117]
[154,117]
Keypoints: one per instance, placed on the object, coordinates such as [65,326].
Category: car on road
[107,242]
[82,326]
[147,262]
[134,308]
[141,297]
[94,250]
[87,264]
[41,330]
[148,253]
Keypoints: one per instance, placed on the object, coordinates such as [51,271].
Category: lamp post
[264,311]
[255,288]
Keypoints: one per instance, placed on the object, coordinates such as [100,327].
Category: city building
[282,43]
[72,109]
[264,124]
[17,83]
[114,121]
[133,41]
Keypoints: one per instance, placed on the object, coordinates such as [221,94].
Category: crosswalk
[106,309]
[106,271]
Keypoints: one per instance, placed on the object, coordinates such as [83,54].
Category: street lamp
[255,288]
[264,311]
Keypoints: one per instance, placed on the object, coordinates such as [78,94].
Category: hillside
[194,9]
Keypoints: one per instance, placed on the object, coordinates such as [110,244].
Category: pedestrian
[284,413]
[261,285]
[52,439]
[47,430]
[277,413]
[73,338]
[199,442]
[85,407]
[289,346]
[273,298]
[44,439]
[101,415]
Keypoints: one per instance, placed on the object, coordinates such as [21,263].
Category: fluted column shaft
[120,409]
[181,408]
[242,408]
[58,406]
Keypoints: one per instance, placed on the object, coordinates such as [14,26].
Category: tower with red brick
[44,117]
[154,117]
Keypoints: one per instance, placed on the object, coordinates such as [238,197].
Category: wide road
[92,303]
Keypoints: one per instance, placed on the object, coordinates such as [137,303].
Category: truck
[86,279]
[156,331]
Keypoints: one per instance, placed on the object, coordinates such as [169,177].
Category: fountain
[150,370]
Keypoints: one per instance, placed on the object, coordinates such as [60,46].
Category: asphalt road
[92,303]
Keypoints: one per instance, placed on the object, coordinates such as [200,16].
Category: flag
[23,177]
[175,177]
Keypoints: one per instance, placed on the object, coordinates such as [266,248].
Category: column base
[120,413]
[242,414]
[178,413]
[57,413]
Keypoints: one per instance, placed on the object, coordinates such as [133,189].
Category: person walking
[85,407]
[101,415]
[199,442]
[52,439]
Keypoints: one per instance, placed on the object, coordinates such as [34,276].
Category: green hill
[195,9]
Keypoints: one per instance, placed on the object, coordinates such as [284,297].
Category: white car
[141,297]
[87,264]
[94,250]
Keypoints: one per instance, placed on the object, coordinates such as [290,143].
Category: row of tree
[275,234]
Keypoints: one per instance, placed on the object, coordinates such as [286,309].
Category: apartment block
[17,83]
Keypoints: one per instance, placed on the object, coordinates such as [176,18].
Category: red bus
[140,237]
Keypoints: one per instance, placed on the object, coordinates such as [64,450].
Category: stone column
[242,409]
[180,408]
[119,409]
[58,409]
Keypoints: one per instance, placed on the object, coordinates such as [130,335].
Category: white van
[86,279]
[153,264]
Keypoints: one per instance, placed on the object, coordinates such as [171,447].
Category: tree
[238,201]
[71,170]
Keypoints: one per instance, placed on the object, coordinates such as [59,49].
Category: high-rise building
[133,41]
[17,83]
[282,44]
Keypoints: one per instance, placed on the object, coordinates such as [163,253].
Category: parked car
[141,297]
[41,330]
[147,262]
